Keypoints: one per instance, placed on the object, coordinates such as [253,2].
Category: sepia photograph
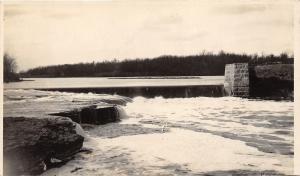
[147,88]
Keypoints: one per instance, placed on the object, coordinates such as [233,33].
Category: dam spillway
[184,91]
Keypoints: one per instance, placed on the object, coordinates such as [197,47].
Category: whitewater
[178,136]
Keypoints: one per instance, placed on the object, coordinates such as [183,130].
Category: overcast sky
[39,34]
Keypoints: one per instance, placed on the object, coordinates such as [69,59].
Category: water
[169,136]
[30,83]
[190,136]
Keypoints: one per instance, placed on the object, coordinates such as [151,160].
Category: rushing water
[176,136]
[190,136]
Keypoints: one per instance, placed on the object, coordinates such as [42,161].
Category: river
[172,136]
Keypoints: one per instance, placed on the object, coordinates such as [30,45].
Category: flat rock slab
[96,115]
[99,115]
[31,144]
[39,104]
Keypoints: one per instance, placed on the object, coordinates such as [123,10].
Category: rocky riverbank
[38,136]
[32,145]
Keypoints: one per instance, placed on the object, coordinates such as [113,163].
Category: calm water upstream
[113,82]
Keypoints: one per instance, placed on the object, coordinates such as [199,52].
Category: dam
[272,81]
[185,91]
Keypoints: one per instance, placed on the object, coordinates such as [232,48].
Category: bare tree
[9,68]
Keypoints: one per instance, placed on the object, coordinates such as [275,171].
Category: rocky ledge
[32,145]
[96,115]
[41,129]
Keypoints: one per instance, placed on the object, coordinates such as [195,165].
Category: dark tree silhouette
[9,69]
[204,64]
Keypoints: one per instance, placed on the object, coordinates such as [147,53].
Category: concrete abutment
[275,81]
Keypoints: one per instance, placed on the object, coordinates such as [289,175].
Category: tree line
[204,64]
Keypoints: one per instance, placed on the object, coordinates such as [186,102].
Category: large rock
[97,115]
[31,145]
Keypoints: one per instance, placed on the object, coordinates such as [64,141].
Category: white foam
[80,131]
[121,111]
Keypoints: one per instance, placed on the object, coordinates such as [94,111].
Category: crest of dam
[153,91]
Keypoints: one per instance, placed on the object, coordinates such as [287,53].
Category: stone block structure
[237,79]
[273,81]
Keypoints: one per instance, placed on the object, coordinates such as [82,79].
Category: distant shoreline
[158,77]
[125,77]
[19,80]
[206,64]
